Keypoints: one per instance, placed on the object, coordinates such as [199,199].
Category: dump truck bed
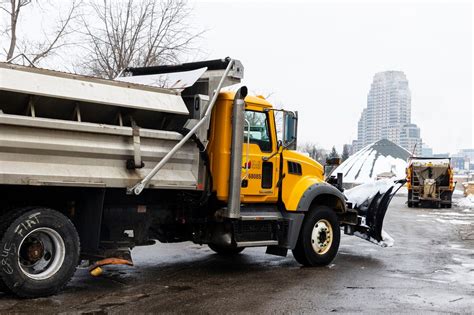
[70,130]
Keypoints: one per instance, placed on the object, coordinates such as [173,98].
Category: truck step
[259,216]
[257,243]
[263,232]
[260,213]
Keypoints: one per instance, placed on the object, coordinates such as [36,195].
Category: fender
[313,190]
[319,189]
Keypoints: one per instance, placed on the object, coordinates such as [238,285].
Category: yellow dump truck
[90,168]
[429,182]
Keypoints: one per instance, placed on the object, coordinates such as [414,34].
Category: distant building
[410,139]
[425,150]
[469,153]
[388,114]
[463,160]
[458,163]
[441,155]
[356,145]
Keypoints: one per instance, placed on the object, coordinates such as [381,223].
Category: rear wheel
[226,250]
[3,287]
[319,237]
[410,203]
[40,252]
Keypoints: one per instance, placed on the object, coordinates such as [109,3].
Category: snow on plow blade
[371,202]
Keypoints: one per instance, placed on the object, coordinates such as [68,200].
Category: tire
[226,250]
[320,224]
[39,251]
[3,287]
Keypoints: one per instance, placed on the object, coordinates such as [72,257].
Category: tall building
[410,139]
[388,114]
[426,150]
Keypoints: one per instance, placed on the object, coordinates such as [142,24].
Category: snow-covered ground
[466,202]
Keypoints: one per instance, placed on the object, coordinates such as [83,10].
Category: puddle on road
[409,277]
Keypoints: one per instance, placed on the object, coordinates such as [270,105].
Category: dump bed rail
[60,85]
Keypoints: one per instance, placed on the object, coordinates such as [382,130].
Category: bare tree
[127,33]
[314,151]
[13,10]
[52,40]
[345,152]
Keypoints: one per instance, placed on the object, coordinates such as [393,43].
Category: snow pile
[359,194]
[467,202]
[379,158]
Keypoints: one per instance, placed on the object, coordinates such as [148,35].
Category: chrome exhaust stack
[235,178]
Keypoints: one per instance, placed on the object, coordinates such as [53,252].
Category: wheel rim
[322,237]
[41,253]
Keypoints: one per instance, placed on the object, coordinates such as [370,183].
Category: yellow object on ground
[96,272]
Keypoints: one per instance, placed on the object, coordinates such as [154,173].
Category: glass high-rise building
[388,114]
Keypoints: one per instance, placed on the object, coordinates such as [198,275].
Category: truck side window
[259,130]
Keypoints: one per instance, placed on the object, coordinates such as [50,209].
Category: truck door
[259,176]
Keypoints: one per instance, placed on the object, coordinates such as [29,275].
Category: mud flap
[371,215]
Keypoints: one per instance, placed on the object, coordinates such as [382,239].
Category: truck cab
[278,186]
[271,172]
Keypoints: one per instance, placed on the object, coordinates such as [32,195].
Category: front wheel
[40,251]
[319,237]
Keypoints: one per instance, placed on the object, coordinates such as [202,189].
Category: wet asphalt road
[430,269]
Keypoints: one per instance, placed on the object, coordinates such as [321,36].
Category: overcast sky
[320,57]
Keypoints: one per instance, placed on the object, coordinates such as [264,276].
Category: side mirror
[290,129]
